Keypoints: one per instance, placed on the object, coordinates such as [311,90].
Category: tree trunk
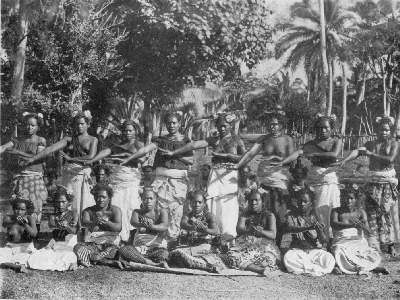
[398,122]
[308,88]
[19,67]
[384,86]
[324,57]
[344,85]
[361,94]
[147,121]
[330,103]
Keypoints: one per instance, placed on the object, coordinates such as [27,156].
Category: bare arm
[241,226]
[7,221]
[6,146]
[141,152]
[190,147]
[30,227]
[92,151]
[292,157]
[86,222]
[116,224]
[49,150]
[212,228]
[102,154]
[135,219]
[386,158]
[163,222]
[270,231]
[185,224]
[249,155]
[337,147]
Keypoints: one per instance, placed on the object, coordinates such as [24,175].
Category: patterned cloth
[302,240]
[352,253]
[254,250]
[171,187]
[381,206]
[31,185]
[125,182]
[60,233]
[194,238]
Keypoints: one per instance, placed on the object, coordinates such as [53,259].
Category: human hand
[66,156]
[120,155]
[121,161]
[166,152]
[317,226]
[62,223]
[21,220]
[87,162]
[142,229]
[200,226]
[338,163]
[102,221]
[13,151]
[150,224]
[276,164]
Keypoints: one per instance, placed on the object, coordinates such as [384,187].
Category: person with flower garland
[382,200]
[124,179]
[171,173]
[305,255]
[275,147]
[222,187]
[322,151]
[58,254]
[350,248]
[78,147]
[28,179]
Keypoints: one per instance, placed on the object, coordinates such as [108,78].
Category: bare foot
[163,265]
[120,265]
[73,267]
[217,270]
[23,269]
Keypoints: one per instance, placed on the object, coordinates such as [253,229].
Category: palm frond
[305,13]
[298,54]
[293,38]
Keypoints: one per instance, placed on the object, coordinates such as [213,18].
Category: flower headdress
[32,114]
[331,117]
[86,114]
[385,119]
[227,117]
[351,188]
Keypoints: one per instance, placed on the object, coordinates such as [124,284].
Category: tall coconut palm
[303,42]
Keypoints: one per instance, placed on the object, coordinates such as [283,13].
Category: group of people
[226,221]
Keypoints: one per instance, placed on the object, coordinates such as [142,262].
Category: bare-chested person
[382,195]
[275,146]
[222,187]
[322,152]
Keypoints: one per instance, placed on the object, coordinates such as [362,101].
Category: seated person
[63,221]
[304,257]
[51,184]
[352,253]
[150,238]
[148,177]
[21,229]
[101,172]
[21,226]
[195,250]
[103,220]
[58,255]
[255,249]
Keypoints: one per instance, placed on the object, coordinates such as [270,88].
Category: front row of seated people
[198,246]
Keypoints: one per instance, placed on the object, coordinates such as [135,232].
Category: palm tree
[303,43]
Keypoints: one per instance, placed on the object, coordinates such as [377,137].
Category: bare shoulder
[288,138]
[115,209]
[369,144]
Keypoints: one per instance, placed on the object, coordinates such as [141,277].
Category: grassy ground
[107,283]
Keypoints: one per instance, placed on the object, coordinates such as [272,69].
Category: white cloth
[16,253]
[57,257]
[273,176]
[171,188]
[316,262]
[125,182]
[223,199]
[103,237]
[327,193]
[352,253]
[77,178]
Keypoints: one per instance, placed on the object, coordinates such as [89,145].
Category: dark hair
[29,205]
[97,168]
[147,189]
[172,114]
[299,166]
[197,192]
[81,115]
[62,191]
[330,119]
[103,187]
[52,172]
[136,126]
[147,167]
[252,192]
[282,119]
[35,116]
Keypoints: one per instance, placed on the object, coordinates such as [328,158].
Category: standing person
[171,175]
[275,147]
[351,250]
[223,182]
[124,179]
[201,182]
[81,146]
[28,180]
[101,172]
[322,152]
[381,189]
[148,176]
